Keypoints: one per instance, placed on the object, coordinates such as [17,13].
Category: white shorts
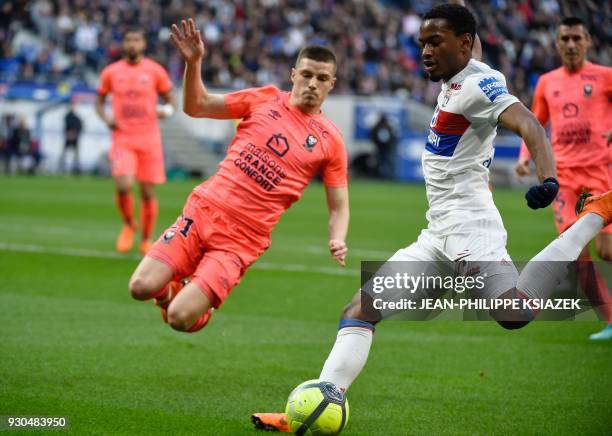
[475,247]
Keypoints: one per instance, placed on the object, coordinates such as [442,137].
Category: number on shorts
[185,230]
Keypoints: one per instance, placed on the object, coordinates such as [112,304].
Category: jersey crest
[310,142]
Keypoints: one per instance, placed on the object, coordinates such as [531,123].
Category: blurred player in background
[73,126]
[283,141]
[136,154]
[464,224]
[576,99]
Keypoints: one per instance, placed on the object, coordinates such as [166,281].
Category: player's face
[312,81]
[573,42]
[134,45]
[444,53]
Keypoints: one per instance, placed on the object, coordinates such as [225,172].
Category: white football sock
[546,270]
[571,242]
[348,356]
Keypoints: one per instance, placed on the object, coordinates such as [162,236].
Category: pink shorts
[138,156]
[572,181]
[206,244]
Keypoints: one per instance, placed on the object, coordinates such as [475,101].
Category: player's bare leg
[149,279]
[152,279]
[148,214]
[125,204]
[190,310]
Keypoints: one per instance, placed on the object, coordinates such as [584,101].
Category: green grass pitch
[73,343]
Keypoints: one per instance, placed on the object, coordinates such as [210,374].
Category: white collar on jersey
[461,74]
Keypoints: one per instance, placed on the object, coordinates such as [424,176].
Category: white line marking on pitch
[83,252]
[315,249]
[281,246]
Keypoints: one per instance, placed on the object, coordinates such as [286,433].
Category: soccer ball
[317,408]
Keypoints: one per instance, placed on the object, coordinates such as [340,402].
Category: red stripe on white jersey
[449,123]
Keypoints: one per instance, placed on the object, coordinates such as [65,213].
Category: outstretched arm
[197,101]
[522,122]
[338,207]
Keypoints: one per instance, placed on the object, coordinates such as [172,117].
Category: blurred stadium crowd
[254,42]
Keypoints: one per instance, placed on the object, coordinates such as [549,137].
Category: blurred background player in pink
[135,83]
[576,99]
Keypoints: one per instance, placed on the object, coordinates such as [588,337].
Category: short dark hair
[319,53]
[134,29]
[459,18]
[572,21]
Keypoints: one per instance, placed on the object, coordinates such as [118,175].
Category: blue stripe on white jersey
[441,144]
[446,130]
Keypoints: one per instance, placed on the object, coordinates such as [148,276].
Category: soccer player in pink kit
[576,99]
[135,83]
[282,142]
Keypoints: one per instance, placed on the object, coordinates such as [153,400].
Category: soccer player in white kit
[464,224]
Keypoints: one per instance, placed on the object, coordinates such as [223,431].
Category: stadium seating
[253,42]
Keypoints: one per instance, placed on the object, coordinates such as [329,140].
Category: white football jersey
[459,148]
